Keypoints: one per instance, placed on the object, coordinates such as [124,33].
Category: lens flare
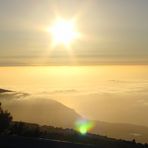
[83,126]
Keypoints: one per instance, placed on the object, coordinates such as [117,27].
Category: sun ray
[63,32]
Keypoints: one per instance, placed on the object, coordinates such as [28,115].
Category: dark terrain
[26,135]
[23,142]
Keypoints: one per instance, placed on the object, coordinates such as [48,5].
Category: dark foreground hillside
[24,142]
[26,135]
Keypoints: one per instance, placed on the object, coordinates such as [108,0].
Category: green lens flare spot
[83,130]
[84,126]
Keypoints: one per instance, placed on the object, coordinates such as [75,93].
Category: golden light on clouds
[63,32]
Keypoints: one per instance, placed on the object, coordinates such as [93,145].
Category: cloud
[111,101]
[67,91]
[12,95]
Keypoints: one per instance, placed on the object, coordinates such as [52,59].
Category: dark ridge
[4,90]
[27,142]
[28,135]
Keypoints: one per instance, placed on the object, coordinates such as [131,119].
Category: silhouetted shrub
[23,129]
[5,119]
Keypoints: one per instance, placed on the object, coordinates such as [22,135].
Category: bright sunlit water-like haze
[112,93]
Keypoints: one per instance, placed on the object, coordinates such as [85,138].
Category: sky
[113,32]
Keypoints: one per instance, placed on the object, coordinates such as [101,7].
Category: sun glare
[63,32]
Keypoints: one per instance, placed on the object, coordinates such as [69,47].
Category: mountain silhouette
[45,112]
[4,91]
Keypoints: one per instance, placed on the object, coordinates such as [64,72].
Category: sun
[63,32]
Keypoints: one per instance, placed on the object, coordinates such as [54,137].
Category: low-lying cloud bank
[111,101]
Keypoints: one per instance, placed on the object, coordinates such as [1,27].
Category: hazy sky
[114,32]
